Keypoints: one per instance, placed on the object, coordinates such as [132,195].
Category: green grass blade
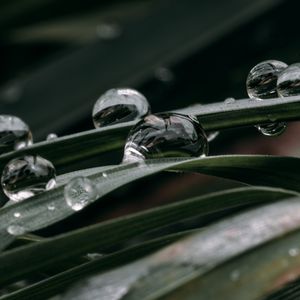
[262,170]
[56,284]
[162,274]
[62,151]
[16,263]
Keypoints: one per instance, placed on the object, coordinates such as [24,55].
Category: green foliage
[232,251]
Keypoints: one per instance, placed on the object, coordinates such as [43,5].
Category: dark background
[58,57]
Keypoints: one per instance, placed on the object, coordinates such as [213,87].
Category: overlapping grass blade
[262,170]
[163,274]
[24,260]
[56,284]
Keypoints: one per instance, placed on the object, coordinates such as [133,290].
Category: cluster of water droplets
[271,79]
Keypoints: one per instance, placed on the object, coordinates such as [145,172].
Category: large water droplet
[262,84]
[119,105]
[27,176]
[16,230]
[288,83]
[165,135]
[14,133]
[79,192]
[262,79]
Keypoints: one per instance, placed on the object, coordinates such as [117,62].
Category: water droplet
[27,176]
[12,92]
[119,105]
[272,129]
[14,133]
[262,79]
[104,175]
[17,215]
[16,230]
[107,31]
[51,206]
[288,83]
[165,135]
[262,84]
[229,100]
[164,74]
[294,252]
[212,135]
[235,275]
[94,256]
[51,136]
[79,192]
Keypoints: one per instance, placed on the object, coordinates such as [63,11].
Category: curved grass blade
[62,151]
[160,275]
[56,284]
[21,261]
[273,171]
[268,268]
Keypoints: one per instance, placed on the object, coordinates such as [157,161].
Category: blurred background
[58,57]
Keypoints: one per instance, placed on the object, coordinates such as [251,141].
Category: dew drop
[108,31]
[229,100]
[164,74]
[235,275]
[288,83]
[294,252]
[17,215]
[51,206]
[104,175]
[27,176]
[16,230]
[165,135]
[14,134]
[79,192]
[262,84]
[51,136]
[212,135]
[118,106]
[94,256]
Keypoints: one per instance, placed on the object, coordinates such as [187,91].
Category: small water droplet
[235,275]
[288,83]
[51,136]
[108,31]
[164,74]
[79,192]
[94,256]
[165,135]
[51,206]
[118,106]
[104,175]
[294,252]
[212,135]
[12,92]
[16,230]
[229,100]
[27,176]
[17,215]
[14,134]
[262,84]
[272,129]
